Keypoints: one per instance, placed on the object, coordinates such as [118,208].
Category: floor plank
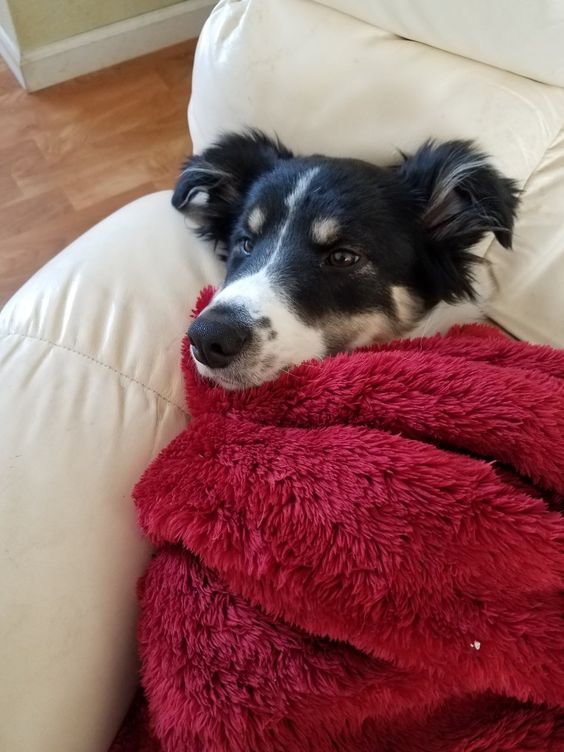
[73,153]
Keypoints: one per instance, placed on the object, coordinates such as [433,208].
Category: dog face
[325,255]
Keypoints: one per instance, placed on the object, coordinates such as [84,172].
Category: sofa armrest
[91,391]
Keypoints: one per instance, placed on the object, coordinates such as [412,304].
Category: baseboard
[112,44]
[11,54]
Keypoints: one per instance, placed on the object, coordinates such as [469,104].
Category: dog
[325,255]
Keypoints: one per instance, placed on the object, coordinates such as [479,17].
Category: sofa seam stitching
[97,362]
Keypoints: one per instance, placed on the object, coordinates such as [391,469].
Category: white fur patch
[300,189]
[256,220]
[294,340]
[292,200]
[196,198]
[199,195]
[324,230]
[444,206]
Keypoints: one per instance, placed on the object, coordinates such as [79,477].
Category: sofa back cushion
[521,36]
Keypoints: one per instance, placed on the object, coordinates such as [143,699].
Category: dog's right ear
[212,186]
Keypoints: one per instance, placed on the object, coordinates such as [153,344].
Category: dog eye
[342,258]
[246,245]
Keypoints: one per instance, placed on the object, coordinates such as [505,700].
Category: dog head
[326,255]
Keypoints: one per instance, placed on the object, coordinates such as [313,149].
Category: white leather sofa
[90,384]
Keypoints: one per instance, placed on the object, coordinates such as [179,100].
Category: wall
[40,22]
[45,42]
[6,21]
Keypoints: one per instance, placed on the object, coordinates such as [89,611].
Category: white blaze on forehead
[300,188]
[256,219]
[324,230]
[295,341]
[292,201]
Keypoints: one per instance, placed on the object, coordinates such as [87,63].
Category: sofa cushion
[517,35]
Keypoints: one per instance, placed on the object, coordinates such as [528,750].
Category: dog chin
[233,380]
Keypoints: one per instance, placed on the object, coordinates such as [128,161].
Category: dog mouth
[263,358]
[242,376]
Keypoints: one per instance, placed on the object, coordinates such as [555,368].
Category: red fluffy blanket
[366,555]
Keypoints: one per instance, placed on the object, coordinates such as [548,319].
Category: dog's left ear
[212,186]
[460,195]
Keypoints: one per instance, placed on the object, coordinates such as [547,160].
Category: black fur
[460,198]
[414,223]
[224,173]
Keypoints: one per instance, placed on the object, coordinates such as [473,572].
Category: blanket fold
[366,554]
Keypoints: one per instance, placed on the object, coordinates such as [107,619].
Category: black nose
[217,337]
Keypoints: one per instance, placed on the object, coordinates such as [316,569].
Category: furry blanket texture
[365,555]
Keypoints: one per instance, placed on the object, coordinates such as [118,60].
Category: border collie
[325,255]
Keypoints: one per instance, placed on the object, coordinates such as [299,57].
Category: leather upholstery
[91,387]
[91,391]
[515,35]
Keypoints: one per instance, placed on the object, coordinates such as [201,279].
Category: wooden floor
[71,154]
